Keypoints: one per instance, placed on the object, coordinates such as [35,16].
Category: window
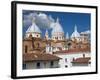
[38,65]
[52,63]
[49,49]
[65,59]
[37,35]
[57,38]
[62,37]
[24,66]
[45,64]
[69,45]
[66,66]
[26,48]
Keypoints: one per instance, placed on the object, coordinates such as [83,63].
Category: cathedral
[43,52]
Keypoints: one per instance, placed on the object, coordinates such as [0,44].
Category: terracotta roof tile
[39,56]
[72,51]
[81,60]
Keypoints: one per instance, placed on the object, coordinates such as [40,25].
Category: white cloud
[41,19]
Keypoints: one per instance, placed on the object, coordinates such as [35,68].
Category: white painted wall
[37,35]
[69,58]
[33,65]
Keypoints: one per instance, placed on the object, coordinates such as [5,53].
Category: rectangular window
[38,65]
[65,59]
[52,63]
[26,48]
[24,66]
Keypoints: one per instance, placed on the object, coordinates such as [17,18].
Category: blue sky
[68,20]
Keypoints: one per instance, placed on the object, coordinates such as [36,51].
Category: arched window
[69,45]
[26,48]
[57,38]
[37,35]
[60,38]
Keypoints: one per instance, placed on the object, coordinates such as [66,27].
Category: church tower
[57,31]
[49,49]
[75,35]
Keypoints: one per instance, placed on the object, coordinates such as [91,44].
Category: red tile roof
[71,51]
[39,57]
[81,60]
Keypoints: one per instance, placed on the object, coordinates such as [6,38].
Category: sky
[68,20]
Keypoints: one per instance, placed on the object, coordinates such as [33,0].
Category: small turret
[46,35]
[67,35]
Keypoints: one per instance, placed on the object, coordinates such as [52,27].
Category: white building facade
[41,64]
[67,58]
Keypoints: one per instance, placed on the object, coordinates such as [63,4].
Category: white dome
[57,28]
[33,28]
[75,34]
